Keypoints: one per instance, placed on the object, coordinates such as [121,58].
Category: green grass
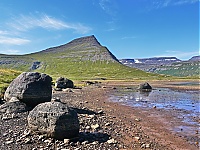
[6,77]
[79,62]
[183,69]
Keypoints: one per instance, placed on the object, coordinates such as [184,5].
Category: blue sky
[129,28]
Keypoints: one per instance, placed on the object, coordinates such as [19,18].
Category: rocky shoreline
[103,125]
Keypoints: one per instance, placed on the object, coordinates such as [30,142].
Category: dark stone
[32,88]
[14,106]
[55,119]
[145,86]
[64,83]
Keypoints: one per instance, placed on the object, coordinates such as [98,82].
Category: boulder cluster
[32,91]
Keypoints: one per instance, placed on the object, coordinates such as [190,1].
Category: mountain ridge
[166,65]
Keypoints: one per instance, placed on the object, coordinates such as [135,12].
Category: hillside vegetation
[81,59]
[6,76]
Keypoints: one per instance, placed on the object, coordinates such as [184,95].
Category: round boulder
[145,86]
[32,88]
[55,119]
[64,83]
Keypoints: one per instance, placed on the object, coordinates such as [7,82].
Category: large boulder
[64,83]
[145,86]
[32,88]
[55,119]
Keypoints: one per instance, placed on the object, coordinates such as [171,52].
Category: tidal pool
[185,104]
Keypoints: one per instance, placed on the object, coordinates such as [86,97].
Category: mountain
[154,60]
[81,59]
[86,48]
[195,58]
[165,65]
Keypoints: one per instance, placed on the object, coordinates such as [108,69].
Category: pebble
[107,124]
[96,126]
[137,138]
[27,141]
[112,141]
[85,142]
[100,112]
[66,141]
[137,119]
[8,142]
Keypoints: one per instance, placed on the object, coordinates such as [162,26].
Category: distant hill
[166,65]
[82,58]
[195,58]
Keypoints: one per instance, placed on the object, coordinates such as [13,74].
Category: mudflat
[104,124]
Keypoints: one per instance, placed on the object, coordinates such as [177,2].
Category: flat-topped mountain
[195,58]
[154,60]
[165,65]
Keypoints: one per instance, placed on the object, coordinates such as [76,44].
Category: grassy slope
[75,65]
[6,76]
[183,69]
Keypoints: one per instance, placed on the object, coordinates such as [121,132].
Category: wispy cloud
[180,54]
[165,3]
[24,23]
[128,37]
[13,40]
[108,6]
[9,38]
[10,51]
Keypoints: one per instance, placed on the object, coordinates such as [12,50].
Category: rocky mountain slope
[166,65]
[82,58]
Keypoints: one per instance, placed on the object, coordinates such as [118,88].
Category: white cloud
[24,23]
[165,3]
[13,41]
[10,51]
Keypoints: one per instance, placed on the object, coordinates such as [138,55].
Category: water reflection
[187,103]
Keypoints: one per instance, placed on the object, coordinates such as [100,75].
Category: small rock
[85,142]
[107,124]
[87,127]
[27,141]
[8,142]
[66,141]
[48,141]
[112,141]
[137,119]
[137,138]
[100,112]
[143,146]
[147,145]
[96,126]
[41,137]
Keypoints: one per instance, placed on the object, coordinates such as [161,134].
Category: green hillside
[181,69]
[80,59]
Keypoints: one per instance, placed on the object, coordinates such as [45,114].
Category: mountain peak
[87,39]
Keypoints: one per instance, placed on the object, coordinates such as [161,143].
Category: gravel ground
[103,126]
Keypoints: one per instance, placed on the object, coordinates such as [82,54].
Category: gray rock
[32,88]
[145,86]
[55,119]
[13,106]
[64,83]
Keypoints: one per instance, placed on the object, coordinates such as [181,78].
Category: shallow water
[186,104]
